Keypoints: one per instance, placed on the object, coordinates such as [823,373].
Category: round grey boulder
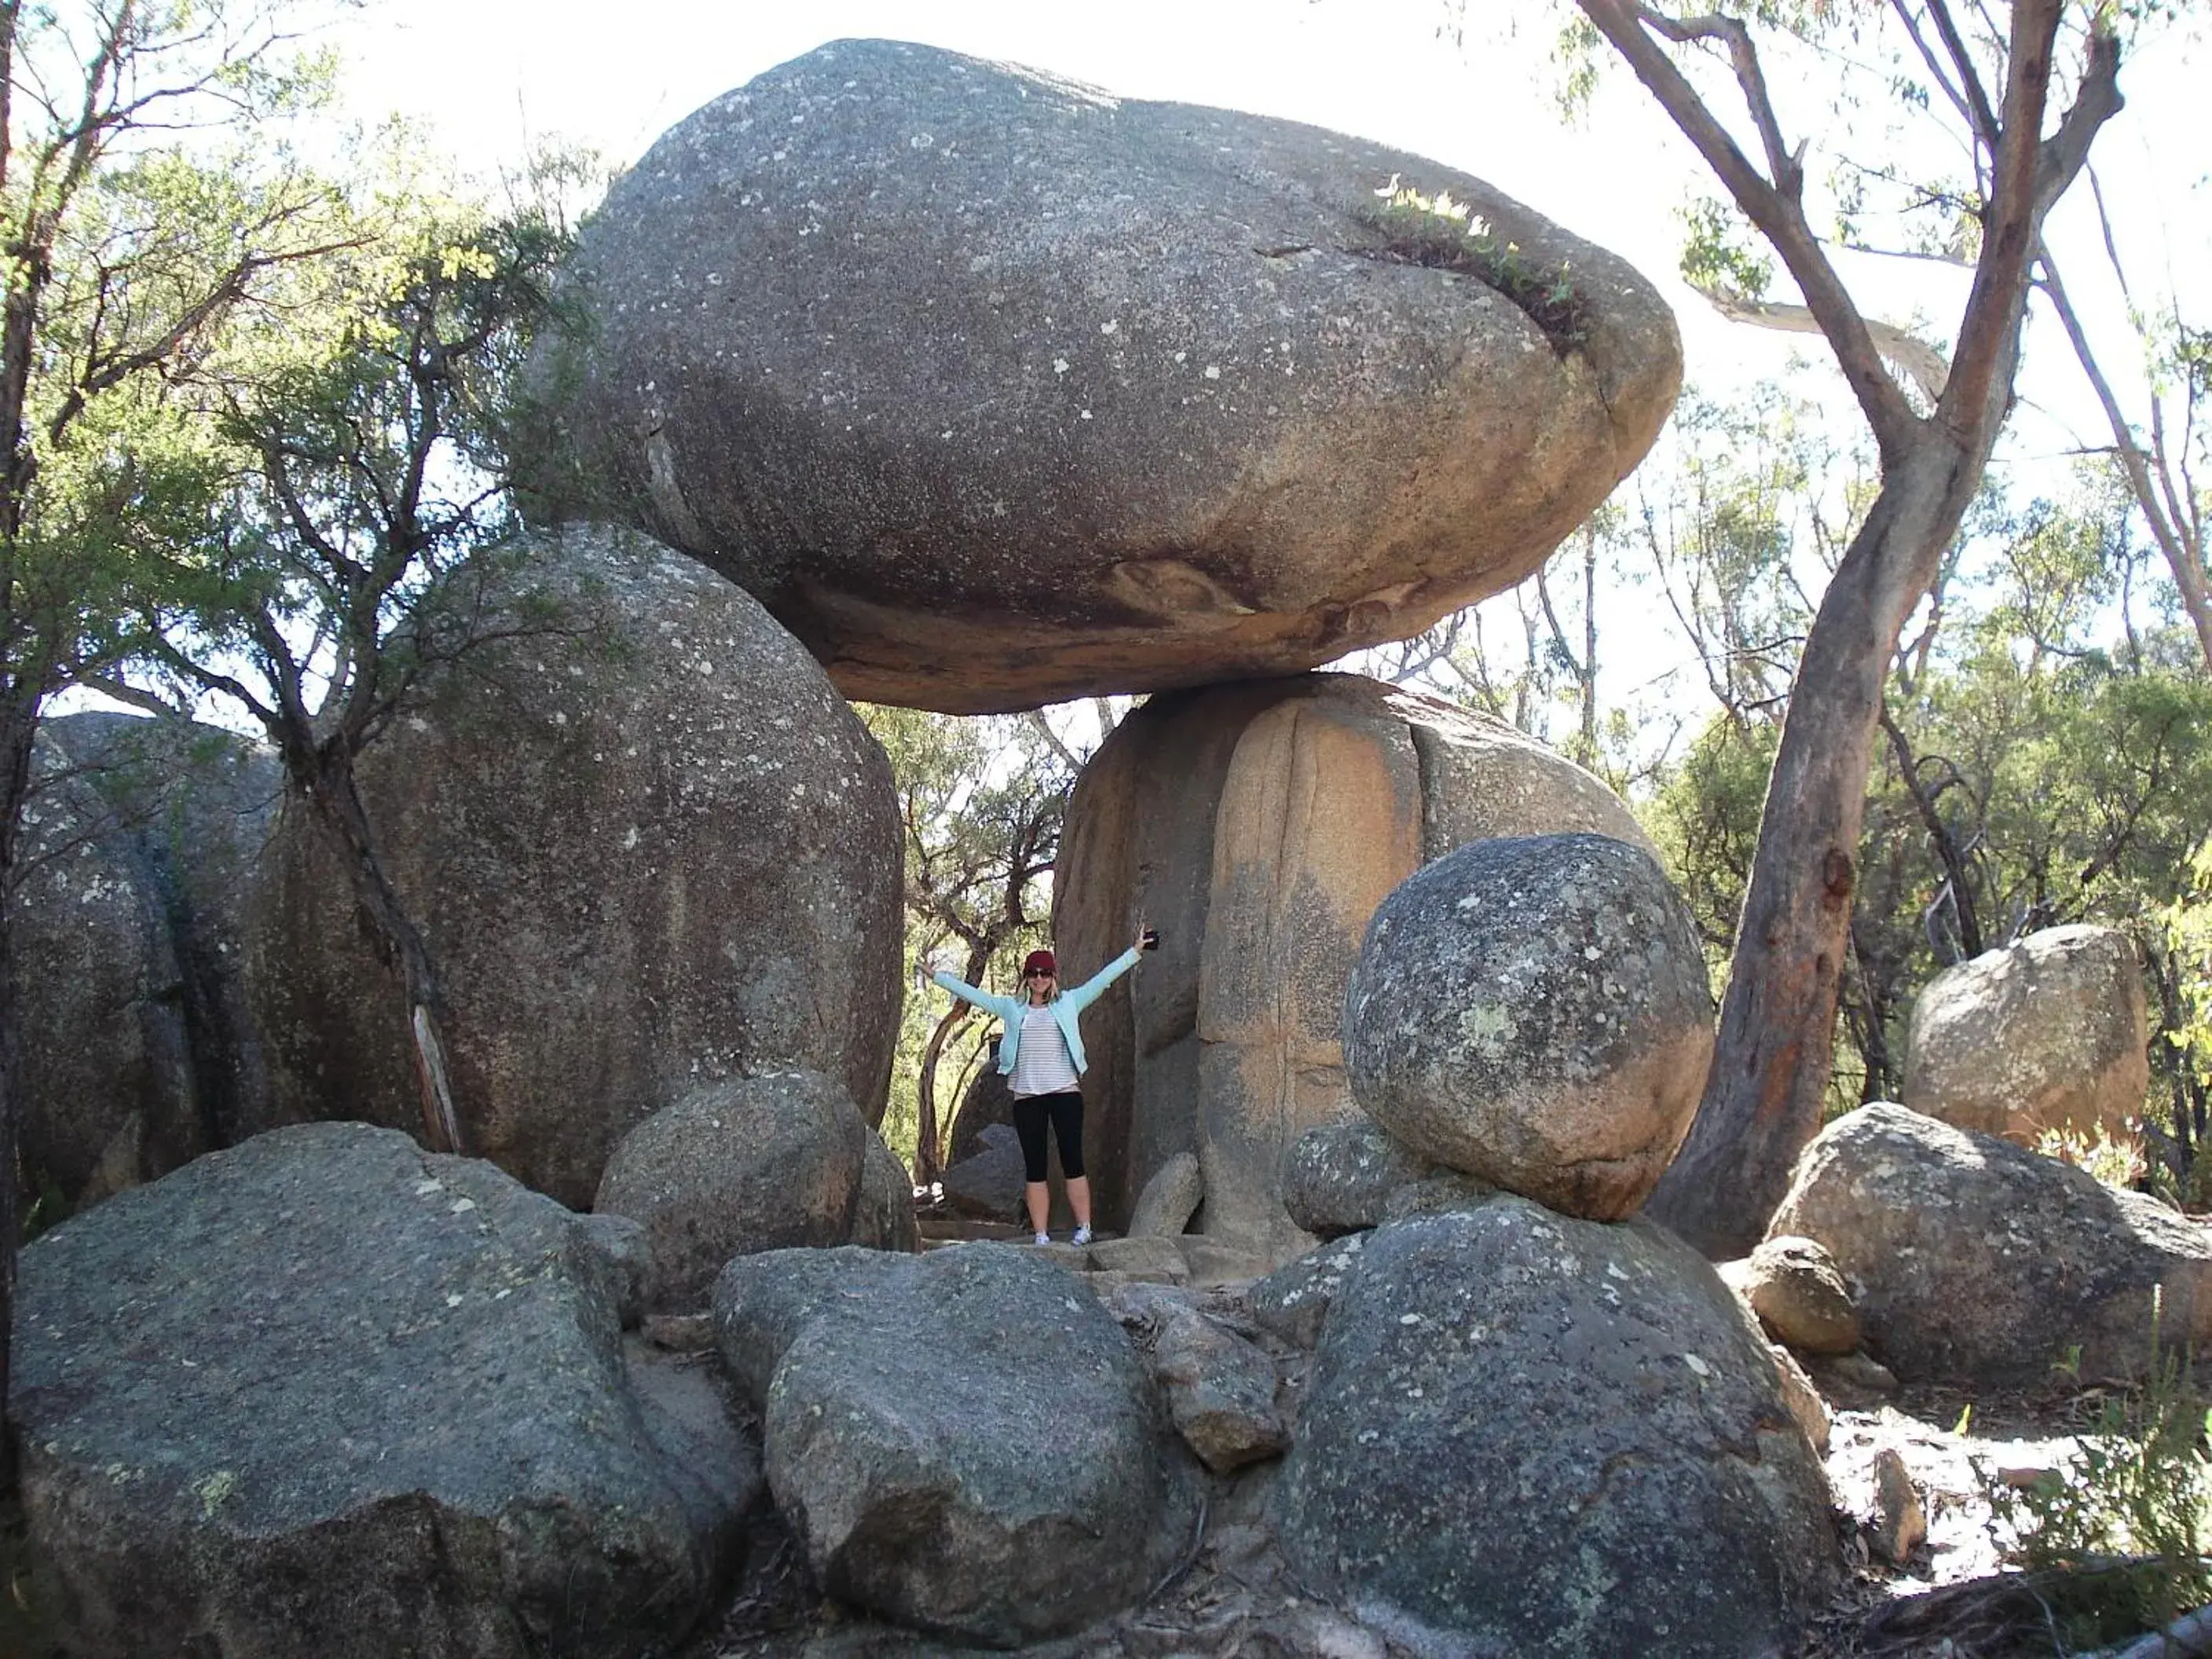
[1984,1264]
[649,846]
[325,1393]
[1531,1434]
[1535,1011]
[2050,1032]
[999,389]
[1340,1176]
[767,1163]
[964,1442]
[1257,825]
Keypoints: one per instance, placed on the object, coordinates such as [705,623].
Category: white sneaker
[1042,1238]
[1083,1235]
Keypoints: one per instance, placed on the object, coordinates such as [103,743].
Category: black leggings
[1066,1111]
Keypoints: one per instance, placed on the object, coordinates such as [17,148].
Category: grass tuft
[1443,234]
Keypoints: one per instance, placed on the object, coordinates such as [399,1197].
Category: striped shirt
[1042,1065]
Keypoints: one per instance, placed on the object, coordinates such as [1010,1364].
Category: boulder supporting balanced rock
[1535,1011]
[324,1393]
[965,1442]
[649,848]
[1257,826]
[1342,1175]
[1982,1265]
[1527,1434]
[999,390]
[2044,1034]
[768,1163]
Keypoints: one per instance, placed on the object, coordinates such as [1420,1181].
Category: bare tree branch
[1922,362]
[2027,175]
[107,685]
[1780,213]
[1042,727]
[2185,561]
[1984,118]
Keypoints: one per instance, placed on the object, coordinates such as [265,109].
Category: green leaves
[1720,251]
[2063,747]
[2121,1536]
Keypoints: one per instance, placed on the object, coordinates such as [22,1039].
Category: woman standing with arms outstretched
[1041,1058]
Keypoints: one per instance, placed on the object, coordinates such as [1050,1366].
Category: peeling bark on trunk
[339,805]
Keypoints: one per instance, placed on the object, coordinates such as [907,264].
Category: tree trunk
[928,1144]
[1762,1099]
[19,722]
[339,804]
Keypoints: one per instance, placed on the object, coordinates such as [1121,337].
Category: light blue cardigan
[1064,1007]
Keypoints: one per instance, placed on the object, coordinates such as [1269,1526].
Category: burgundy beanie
[1039,961]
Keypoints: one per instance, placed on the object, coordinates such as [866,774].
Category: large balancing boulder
[997,389]
[1257,826]
[1978,1263]
[768,1163]
[1526,1434]
[650,846]
[2047,1033]
[965,1442]
[139,844]
[1535,1011]
[325,1393]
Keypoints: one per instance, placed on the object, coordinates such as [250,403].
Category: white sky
[484,78]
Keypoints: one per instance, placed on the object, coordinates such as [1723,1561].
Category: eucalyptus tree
[2046,748]
[129,240]
[361,544]
[1999,78]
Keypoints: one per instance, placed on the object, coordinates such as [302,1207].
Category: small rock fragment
[1900,1522]
[1220,1390]
[1798,1292]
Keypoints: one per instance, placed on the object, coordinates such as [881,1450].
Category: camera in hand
[1150,941]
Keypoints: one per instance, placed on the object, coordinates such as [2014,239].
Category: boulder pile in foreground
[325,1393]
